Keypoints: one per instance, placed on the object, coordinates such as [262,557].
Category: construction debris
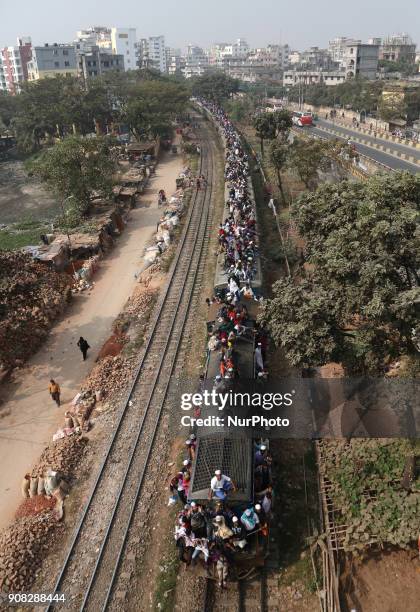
[31,297]
[24,545]
[61,456]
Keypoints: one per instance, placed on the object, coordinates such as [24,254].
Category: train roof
[234,456]
[243,357]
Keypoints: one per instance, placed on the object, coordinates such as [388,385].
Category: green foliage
[279,153]
[152,105]
[367,494]
[362,299]
[392,107]
[56,107]
[75,168]
[307,157]
[216,86]
[357,94]
[8,109]
[405,67]
[269,126]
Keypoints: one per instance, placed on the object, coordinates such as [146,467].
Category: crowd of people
[217,533]
[237,237]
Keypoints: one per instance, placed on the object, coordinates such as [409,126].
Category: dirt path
[28,417]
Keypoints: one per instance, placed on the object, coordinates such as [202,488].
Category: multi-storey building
[97,36]
[196,62]
[95,62]
[313,77]
[14,62]
[398,47]
[153,53]
[361,60]
[52,60]
[124,42]
[337,48]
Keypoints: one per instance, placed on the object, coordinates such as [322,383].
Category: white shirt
[219,484]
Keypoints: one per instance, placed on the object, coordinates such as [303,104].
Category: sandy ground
[22,197]
[28,417]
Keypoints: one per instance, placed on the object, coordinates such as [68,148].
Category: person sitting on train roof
[175,487]
[186,466]
[220,529]
[250,520]
[267,502]
[190,449]
[261,515]
[239,534]
[198,521]
[261,455]
[220,485]
[213,343]
[186,481]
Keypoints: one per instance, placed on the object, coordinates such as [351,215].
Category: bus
[302,119]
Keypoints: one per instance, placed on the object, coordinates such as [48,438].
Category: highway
[381,156]
[349,133]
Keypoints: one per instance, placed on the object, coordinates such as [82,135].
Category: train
[216,449]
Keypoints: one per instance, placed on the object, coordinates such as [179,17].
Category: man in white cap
[220,485]
[239,535]
[261,455]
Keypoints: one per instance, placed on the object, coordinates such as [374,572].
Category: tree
[362,301]
[8,110]
[283,122]
[392,106]
[216,86]
[307,157]
[152,105]
[265,128]
[279,152]
[77,167]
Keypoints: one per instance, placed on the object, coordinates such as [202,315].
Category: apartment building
[52,60]
[361,60]
[96,36]
[124,42]
[95,62]
[14,65]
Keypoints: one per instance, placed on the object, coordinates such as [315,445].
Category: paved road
[401,148]
[384,158]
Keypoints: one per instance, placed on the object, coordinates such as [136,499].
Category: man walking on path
[54,390]
[83,346]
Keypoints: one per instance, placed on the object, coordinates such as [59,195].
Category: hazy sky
[301,23]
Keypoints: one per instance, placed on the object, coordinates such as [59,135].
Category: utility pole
[67,231]
[272,205]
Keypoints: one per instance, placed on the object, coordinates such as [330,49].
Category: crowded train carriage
[224,487]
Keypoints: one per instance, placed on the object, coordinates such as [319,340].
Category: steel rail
[126,403]
[203,224]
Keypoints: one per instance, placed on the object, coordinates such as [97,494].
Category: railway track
[239,596]
[101,539]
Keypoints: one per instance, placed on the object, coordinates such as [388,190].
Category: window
[55,52]
[67,64]
[56,64]
[122,35]
[65,51]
